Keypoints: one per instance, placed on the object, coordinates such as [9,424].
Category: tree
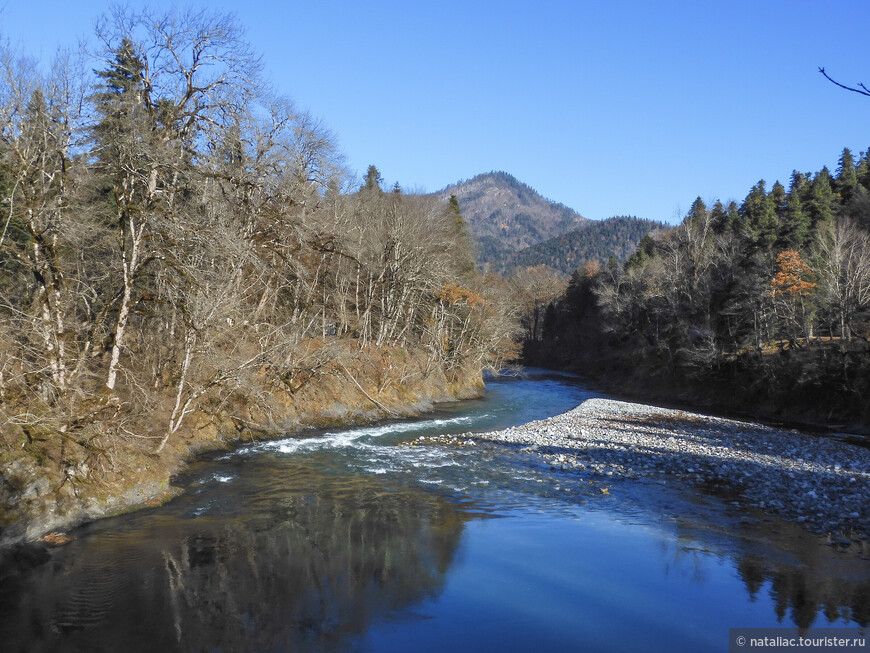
[792,288]
[170,80]
[794,223]
[39,120]
[124,143]
[758,215]
[846,181]
[841,263]
[535,288]
[373,179]
[719,217]
[465,251]
[778,198]
[122,103]
[821,203]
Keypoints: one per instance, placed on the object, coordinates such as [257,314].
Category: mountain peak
[506,215]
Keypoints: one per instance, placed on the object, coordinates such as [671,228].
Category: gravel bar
[815,480]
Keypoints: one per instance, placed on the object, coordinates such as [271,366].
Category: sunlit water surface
[343,540]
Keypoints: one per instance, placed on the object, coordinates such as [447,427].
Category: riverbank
[46,489]
[797,387]
[817,481]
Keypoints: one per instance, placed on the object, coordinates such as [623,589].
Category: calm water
[344,541]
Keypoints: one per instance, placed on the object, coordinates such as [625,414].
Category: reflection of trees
[306,571]
[807,583]
[801,593]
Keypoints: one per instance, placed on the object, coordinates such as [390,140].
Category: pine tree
[719,217]
[697,214]
[862,171]
[846,182]
[859,205]
[123,104]
[373,179]
[794,224]
[734,220]
[758,215]
[821,200]
[778,197]
[465,249]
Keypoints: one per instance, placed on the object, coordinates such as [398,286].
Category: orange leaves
[453,294]
[791,275]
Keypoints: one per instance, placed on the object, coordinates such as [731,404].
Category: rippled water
[344,540]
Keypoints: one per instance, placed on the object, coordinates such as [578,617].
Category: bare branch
[862,89]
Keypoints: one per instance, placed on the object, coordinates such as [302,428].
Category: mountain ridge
[515,226]
[506,215]
[596,240]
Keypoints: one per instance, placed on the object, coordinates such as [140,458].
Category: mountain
[506,215]
[513,226]
[595,240]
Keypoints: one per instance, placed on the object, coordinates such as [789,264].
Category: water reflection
[310,573]
[803,596]
[349,542]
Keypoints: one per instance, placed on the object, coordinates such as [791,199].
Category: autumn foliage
[792,275]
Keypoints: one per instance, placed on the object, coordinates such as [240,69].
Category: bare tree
[39,121]
[841,263]
[535,288]
[171,77]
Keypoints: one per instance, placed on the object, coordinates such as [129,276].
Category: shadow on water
[300,564]
[345,541]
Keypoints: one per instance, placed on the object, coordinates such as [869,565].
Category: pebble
[822,483]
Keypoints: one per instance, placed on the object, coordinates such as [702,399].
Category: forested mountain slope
[505,215]
[595,240]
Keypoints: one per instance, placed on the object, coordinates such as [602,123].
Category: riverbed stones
[820,482]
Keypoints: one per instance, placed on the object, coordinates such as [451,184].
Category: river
[343,540]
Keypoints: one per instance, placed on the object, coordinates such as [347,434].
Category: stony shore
[815,480]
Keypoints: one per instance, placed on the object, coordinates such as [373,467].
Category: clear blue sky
[612,108]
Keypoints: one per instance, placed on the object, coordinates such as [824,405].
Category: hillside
[593,241]
[505,215]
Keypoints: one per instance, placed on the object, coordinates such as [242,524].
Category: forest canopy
[178,245]
[765,303]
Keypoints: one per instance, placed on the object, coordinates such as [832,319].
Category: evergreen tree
[465,251]
[645,250]
[862,170]
[232,150]
[847,178]
[122,104]
[734,220]
[859,205]
[719,217]
[778,197]
[794,224]
[697,214]
[758,216]
[822,203]
[373,179]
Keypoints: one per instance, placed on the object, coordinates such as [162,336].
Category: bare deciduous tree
[841,263]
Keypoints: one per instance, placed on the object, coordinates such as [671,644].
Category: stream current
[343,540]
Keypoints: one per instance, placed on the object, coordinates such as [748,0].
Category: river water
[344,540]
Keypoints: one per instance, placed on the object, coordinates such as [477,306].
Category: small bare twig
[862,89]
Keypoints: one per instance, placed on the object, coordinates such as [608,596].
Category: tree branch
[863,90]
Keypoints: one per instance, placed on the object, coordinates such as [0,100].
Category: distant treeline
[763,305]
[616,237]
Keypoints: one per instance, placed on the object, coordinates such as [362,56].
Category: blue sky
[612,108]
